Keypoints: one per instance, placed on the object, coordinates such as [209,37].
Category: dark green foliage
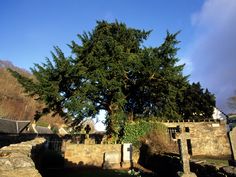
[111,71]
[56,84]
[155,87]
[197,103]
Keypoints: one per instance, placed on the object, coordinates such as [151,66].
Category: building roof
[12,126]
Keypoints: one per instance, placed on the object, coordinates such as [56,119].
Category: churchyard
[89,155]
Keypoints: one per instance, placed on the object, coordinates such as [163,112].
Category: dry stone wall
[15,160]
[206,138]
[88,154]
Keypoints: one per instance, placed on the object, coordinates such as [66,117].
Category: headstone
[232,135]
[112,160]
[182,137]
[88,140]
[87,129]
[127,155]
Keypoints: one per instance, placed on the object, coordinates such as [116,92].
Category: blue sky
[30,28]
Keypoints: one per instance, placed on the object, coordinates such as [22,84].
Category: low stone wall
[7,139]
[15,160]
[88,154]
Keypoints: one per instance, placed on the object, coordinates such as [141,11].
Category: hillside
[14,103]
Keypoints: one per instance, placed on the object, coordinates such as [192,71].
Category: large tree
[197,103]
[158,82]
[111,70]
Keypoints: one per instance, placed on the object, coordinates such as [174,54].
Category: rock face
[15,160]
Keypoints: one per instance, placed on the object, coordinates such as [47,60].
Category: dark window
[189,145]
[187,129]
[173,135]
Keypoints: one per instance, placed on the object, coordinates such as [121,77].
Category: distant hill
[14,103]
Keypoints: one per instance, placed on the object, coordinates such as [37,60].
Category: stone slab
[112,157]
[127,152]
[112,160]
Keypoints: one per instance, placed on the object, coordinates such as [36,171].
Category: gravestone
[182,136]
[112,160]
[127,155]
[88,140]
[232,135]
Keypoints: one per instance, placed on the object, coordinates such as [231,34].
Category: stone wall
[7,139]
[206,138]
[88,154]
[15,160]
[232,136]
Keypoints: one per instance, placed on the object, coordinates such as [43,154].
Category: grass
[93,172]
[213,161]
[51,165]
[99,173]
[41,123]
[217,162]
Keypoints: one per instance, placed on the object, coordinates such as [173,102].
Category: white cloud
[213,52]
[188,68]
[215,12]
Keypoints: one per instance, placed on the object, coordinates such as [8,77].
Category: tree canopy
[197,102]
[111,70]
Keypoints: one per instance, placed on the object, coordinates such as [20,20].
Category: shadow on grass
[91,172]
[52,164]
[85,172]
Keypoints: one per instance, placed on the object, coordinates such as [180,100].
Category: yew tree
[110,69]
[197,103]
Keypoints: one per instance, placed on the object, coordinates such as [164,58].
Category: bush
[159,142]
[152,133]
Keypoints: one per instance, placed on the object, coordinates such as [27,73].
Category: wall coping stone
[15,159]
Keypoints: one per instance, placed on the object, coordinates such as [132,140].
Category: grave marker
[182,136]
[127,155]
[112,160]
